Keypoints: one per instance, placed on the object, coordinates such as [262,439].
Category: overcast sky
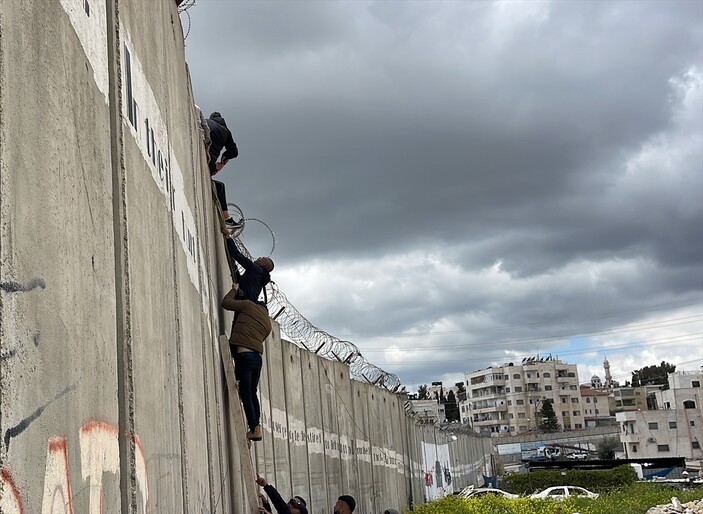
[459,184]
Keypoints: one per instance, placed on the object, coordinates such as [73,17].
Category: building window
[672,424]
[565,414]
[563,399]
[518,389]
[597,412]
[577,413]
[696,445]
[573,387]
[689,404]
[516,376]
[507,389]
[529,375]
[519,402]
[634,448]
[588,400]
[511,415]
[510,402]
[695,383]
[653,425]
[578,426]
[693,423]
[595,400]
[547,388]
[663,447]
[546,375]
[522,428]
[574,400]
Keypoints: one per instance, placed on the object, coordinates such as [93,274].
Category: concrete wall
[112,397]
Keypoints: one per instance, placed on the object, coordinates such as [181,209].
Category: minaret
[608,378]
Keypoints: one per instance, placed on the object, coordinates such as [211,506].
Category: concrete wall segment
[112,395]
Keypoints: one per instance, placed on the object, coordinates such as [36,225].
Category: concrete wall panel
[317,462]
[297,432]
[362,447]
[328,402]
[57,307]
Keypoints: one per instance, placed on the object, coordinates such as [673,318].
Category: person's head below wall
[297,505]
[301,499]
[345,505]
[266,263]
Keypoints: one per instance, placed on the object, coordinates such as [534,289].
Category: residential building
[596,412]
[674,428]
[508,399]
[624,399]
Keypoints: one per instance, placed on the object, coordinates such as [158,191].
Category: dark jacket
[254,278]
[251,325]
[220,138]
[278,502]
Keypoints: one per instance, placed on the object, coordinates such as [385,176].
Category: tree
[549,422]
[423,393]
[451,408]
[606,448]
[653,375]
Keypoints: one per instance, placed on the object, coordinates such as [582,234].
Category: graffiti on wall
[100,454]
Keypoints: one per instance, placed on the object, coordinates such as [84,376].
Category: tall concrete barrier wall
[112,395]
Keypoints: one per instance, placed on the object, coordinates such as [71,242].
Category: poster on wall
[436,470]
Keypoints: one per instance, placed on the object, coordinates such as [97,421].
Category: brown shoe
[255,435]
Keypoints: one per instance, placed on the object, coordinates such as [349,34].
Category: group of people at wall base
[297,505]
[251,324]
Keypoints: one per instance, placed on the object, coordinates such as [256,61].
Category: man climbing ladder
[251,326]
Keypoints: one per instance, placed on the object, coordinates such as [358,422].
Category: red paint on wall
[10,482]
[60,445]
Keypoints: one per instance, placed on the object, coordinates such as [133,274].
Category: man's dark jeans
[247,370]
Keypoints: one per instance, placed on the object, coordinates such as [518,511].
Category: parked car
[471,492]
[577,456]
[564,491]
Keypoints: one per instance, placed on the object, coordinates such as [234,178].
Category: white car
[577,456]
[565,491]
[470,492]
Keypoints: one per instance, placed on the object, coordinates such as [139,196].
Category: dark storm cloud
[547,155]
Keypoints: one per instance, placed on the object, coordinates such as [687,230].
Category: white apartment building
[508,399]
[675,429]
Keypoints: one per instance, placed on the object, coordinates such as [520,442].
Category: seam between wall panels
[125,377]
[3,220]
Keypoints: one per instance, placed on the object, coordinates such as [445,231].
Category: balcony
[489,422]
[630,438]
[490,408]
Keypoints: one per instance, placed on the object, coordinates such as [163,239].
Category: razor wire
[307,336]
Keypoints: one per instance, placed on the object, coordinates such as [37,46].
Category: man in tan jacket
[250,328]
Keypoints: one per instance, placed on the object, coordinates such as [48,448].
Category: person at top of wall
[295,505]
[221,139]
[250,328]
[256,273]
